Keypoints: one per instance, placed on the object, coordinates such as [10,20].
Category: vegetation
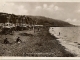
[33,20]
[34,43]
[40,44]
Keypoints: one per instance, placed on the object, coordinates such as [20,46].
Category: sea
[69,37]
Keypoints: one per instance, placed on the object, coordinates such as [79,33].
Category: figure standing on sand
[59,33]
[18,40]
[6,41]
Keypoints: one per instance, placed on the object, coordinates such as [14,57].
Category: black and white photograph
[39,29]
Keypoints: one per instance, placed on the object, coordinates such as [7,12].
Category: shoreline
[41,42]
[70,46]
[59,47]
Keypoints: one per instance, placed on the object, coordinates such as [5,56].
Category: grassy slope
[41,42]
[50,22]
[36,19]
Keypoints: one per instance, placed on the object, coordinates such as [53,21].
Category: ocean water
[69,37]
[71,34]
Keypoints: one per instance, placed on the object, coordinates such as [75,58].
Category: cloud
[45,6]
[51,6]
[38,7]
[48,7]
[48,10]
[13,8]
[77,11]
[22,11]
[68,19]
[56,8]
[73,21]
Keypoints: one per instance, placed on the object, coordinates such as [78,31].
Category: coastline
[56,46]
[39,44]
[70,45]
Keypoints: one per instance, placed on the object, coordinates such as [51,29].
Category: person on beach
[18,40]
[6,41]
[59,33]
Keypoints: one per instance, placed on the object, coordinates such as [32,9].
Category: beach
[34,44]
[68,37]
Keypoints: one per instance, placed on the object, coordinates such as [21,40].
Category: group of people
[18,40]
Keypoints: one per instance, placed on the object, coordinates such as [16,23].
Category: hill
[4,17]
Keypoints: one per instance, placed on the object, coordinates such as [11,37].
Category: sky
[65,11]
